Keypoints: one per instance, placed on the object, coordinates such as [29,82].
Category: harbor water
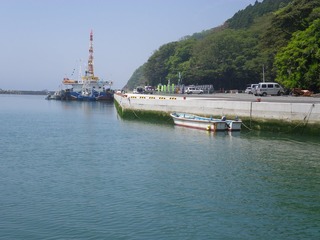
[76,170]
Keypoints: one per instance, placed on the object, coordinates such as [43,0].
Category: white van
[269,88]
[191,90]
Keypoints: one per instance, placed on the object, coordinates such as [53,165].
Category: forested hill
[245,18]
[280,36]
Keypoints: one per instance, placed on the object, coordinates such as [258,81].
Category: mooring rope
[250,129]
[307,117]
[135,113]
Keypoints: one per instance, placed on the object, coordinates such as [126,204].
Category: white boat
[88,90]
[194,121]
[205,123]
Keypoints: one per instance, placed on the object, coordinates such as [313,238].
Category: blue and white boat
[205,123]
[87,90]
[89,87]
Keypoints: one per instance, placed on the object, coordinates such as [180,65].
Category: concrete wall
[210,106]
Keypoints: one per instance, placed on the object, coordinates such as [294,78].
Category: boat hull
[106,96]
[193,121]
[234,125]
[208,124]
[71,95]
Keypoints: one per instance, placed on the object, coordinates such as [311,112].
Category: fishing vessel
[205,123]
[89,87]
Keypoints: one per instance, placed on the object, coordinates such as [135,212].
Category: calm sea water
[75,170]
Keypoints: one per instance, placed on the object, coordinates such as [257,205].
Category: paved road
[252,98]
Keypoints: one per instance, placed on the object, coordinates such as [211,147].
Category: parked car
[269,88]
[149,89]
[251,89]
[191,90]
[248,90]
[138,90]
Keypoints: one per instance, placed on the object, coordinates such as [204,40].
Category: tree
[156,69]
[298,64]
[179,61]
[225,59]
[245,18]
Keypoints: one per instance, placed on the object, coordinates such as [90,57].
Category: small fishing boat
[194,121]
[205,123]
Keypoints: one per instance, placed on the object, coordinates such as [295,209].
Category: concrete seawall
[284,112]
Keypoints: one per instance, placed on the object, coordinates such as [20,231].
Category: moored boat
[55,96]
[198,122]
[88,87]
[205,123]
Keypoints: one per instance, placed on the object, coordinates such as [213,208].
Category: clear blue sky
[42,41]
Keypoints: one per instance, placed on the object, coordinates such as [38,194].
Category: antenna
[90,60]
[80,70]
[89,73]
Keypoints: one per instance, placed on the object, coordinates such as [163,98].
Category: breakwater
[24,92]
[298,117]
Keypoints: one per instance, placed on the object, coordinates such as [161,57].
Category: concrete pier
[274,109]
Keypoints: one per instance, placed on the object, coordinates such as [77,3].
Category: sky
[44,41]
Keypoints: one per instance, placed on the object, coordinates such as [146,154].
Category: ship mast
[90,72]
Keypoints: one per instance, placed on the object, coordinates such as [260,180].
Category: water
[75,170]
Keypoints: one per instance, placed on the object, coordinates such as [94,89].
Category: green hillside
[280,36]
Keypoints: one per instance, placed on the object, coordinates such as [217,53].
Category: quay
[271,113]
